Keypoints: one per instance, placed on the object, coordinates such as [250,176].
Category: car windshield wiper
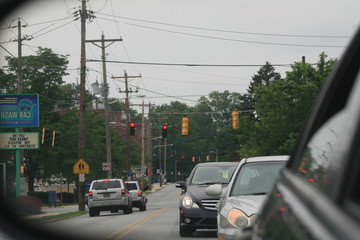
[259,193]
[211,183]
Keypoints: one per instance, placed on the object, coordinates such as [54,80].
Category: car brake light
[106,181]
[123,193]
[90,194]
[140,193]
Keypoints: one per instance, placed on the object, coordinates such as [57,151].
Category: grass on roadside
[58,217]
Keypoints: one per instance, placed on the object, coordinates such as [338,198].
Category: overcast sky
[180,32]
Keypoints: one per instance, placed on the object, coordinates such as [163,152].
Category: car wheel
[142,206]
[128,209]
[92,212]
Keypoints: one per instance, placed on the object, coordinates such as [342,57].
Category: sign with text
[21,140]
[19,110]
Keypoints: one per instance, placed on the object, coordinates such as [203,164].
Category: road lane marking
[132,226]
[142,222]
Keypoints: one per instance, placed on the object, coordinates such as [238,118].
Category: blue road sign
[19,110]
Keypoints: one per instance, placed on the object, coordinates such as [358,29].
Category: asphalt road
[159,221]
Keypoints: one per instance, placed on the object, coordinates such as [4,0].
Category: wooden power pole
[106,93]
[127,91]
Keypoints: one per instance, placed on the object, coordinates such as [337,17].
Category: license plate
[106,195]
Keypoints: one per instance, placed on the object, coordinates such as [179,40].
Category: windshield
[132,186]
[256,178]
[213,174]
[106,185]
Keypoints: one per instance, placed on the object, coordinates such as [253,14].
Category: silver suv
[138,196]
[109,195]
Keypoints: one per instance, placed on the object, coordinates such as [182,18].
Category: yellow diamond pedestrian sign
[81,167]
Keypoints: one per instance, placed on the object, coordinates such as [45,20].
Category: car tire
[128,209]
[142,206]
[92,212]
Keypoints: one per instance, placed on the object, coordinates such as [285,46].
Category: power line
[235,40]
[190,64]
[52,29]
[231,31]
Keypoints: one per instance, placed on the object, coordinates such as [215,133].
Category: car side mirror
[180,184]
[214,190]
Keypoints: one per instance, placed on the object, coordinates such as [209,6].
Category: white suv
[138,196]
[109,195]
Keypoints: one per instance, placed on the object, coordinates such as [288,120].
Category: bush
[66,197]
[27,205]
[43,196]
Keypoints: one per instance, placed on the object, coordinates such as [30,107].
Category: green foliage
[282,106]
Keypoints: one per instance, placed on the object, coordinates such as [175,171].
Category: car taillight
[140,193]
[123,193]
[90,194]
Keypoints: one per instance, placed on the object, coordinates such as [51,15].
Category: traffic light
[164,131]
[45,136]
[55,139]
[235,119]
[132,129]
[185,126]
[193,159]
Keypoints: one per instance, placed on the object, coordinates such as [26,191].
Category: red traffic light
[165,127]
[132,124]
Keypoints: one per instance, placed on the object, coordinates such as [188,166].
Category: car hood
[197,192]
[249,204]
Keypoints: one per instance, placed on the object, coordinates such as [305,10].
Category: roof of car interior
[217,163]
[268,158]
[110,179]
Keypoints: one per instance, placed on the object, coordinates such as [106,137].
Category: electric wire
[230,31]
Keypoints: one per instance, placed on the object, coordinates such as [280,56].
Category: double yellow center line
[122,232]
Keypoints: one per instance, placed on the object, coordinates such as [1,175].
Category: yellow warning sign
[81,167]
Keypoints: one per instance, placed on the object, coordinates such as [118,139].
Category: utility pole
[83,16]
[127,91]
[144,135]
[19,67]
[19,154]
[106,93]
[165,148]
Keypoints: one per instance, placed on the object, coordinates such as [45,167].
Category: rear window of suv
[106,185]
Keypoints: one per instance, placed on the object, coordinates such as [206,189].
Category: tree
[282,107]
[43,75]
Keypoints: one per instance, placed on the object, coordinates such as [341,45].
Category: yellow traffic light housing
[235,119]
[185,126]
